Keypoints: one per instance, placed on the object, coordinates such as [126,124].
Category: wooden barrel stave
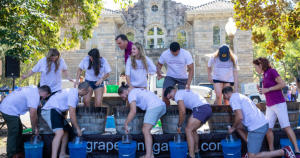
[120,116]
[222,116]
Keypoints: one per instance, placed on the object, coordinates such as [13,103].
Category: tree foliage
[280,17]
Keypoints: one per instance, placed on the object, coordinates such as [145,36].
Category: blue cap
[224,53]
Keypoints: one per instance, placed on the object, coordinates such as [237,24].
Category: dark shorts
[92,84]
[218,81]
[170,81]
[202,113]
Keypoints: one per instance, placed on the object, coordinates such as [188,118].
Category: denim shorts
[93,84]
[255,138]
[170,81]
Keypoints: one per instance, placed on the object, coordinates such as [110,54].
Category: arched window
[155,38]
[130,36]
[154,8]
[216,35]
[94,41]
[181,38]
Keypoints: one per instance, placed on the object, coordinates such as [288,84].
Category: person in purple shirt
[276,105]
[125,45]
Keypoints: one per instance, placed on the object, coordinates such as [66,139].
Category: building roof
[105,11]
[214,5]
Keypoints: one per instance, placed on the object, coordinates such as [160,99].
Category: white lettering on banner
[156,151]
[142,146]
[157,147]
[203,145]
[164,147]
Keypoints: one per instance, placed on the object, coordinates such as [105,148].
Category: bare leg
[288,130]
[270,138]
[218,90]
[196,137]
[165,99]
[87,98]
[148,140]
[192,126]
[64,143]
[266,154]
[241,132]
[226,102]
[98,96]
[56,142]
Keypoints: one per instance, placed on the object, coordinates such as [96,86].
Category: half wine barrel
[222,116]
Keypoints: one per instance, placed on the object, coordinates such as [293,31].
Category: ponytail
[122,88]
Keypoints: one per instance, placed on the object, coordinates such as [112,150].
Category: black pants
[293,96]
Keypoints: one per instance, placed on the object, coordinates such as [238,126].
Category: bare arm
[181,108]
[101,79]
[209,75]
[67,75]
[73,118]
[34,119]
[236,83]
[78,76]
[28,74]
[279,86]
[238,120]
[128,80]
[158,72]
[130,115]
[191,75]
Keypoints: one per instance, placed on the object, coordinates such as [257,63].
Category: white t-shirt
[253,118]
[144,98]
[223,71]
[90,74]
[190,98]
[20,100]
[62,100]
[52,79]
[177,65]
[138,76]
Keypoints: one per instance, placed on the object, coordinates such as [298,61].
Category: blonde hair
[143,57]
[231,56]
[52,53]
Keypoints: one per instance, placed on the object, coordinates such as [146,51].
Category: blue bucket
[286,142]
[231,149]
[77,150]
[127,150]
[178,149]
[33,150]
[299,121]
[110,122]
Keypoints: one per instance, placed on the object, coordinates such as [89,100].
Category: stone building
[157,23]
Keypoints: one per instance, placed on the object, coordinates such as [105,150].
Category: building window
[155,38]
[216,35]
[181,38]
[227,39]
[154,8]
[82,44]
[94,41]
[130,36]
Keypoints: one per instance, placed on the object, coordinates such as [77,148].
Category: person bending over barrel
[145,100]
[64,100]
[248,118]
[18,103]
[201,114]
[97,70]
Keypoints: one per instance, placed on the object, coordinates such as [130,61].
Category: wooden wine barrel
[169,121]
[222,116]
[120,116]
[93,119]
[293,112]
[43,124]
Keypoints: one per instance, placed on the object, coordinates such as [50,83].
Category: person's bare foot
[64,156]
[147,157]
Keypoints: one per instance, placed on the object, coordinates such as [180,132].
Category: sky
[109,4]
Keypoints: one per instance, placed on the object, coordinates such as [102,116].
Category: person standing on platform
[252,125]
[146,100]
[97,70]
[17,103]
[138,66]
[125,45]
[201,114]
[50,68]
[284,92]
[224,73]
[64,100]
[293,93]
[276,105]
[178,60]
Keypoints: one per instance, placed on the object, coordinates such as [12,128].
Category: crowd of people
[250,123]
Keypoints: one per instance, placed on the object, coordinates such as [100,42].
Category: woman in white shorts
[224,73]
[276,105]
[146,100]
